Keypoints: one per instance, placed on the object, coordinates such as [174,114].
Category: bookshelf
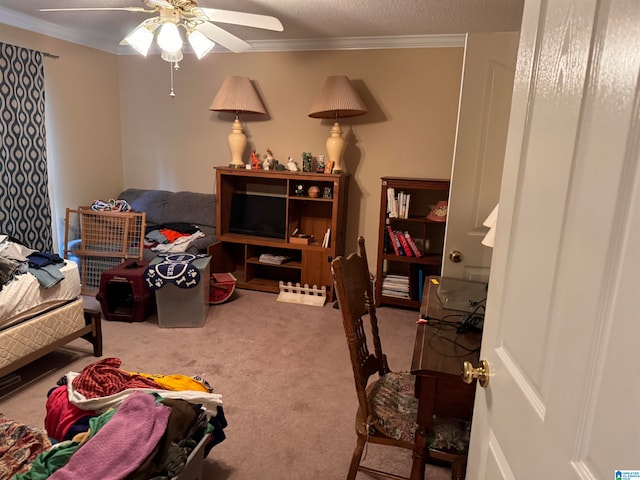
[308,252]
[404,206]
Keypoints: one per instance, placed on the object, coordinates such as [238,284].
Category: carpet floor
[284,373]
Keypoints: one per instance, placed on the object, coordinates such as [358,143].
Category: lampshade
[336,99]
[237,95]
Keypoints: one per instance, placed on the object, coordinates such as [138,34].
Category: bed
[35,321]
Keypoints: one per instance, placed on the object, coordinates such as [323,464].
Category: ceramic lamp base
[237,144]
[335,148]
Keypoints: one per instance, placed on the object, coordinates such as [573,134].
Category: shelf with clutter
[411,232]
[298,214]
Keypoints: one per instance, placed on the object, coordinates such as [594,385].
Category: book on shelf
[396,285]
[406,207]
[403,203]
[398,290]
[326,241]
[397,204]
[273,259]
[412,245]
[403,287]
[396,295]
[391,203]
[396,278]
[393,240]
[403,242]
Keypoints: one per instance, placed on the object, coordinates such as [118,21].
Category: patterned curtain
[25,211]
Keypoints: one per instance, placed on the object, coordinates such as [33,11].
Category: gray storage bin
[185,307]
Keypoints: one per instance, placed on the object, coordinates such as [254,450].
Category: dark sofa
[162,206]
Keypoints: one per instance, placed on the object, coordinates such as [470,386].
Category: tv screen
[258,215]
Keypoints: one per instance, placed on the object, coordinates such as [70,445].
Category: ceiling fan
[198,23]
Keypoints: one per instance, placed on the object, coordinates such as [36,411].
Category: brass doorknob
[481,373]
[455,256]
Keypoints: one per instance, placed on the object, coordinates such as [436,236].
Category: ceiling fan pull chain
[172,93]
[173,66]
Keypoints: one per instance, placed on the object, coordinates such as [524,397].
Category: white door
[483,119]
[562,329]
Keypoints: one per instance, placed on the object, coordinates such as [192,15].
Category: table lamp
[336,99]
[237,95]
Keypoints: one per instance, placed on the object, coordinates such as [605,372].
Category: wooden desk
[438,354]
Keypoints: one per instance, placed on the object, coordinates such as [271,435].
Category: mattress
[23,297]
[27,337]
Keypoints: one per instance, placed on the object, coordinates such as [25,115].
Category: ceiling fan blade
[87,9]
[160,3]
[223,37]
[241,18]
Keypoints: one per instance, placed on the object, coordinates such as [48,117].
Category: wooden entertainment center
[310,217]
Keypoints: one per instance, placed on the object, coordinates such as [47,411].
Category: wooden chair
[387,406]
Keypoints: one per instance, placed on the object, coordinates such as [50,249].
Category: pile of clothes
[106,422]
[16,259]
[171,237]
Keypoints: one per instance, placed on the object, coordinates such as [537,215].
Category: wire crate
[98,241]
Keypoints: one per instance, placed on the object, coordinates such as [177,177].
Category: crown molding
[26,22]
[360,43]
[346,43]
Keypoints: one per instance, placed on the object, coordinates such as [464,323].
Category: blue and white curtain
[25,211]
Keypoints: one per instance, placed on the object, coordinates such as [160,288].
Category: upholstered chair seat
[394,407]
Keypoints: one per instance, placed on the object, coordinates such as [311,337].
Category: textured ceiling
[310,20]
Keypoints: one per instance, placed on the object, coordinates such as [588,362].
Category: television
[258,215]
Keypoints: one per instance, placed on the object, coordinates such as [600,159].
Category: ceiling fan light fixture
[172,57]
[200,44]
[169,38]
[140,39]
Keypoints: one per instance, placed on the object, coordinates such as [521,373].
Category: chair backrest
[354,290]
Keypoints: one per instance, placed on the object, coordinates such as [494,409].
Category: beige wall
[111,123]
[82,112]
[412,96]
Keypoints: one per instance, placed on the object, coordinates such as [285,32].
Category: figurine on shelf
[292,166]
[269,161]
[320,164]
[255,161]
[328,167]
[314,191]
[306,161]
